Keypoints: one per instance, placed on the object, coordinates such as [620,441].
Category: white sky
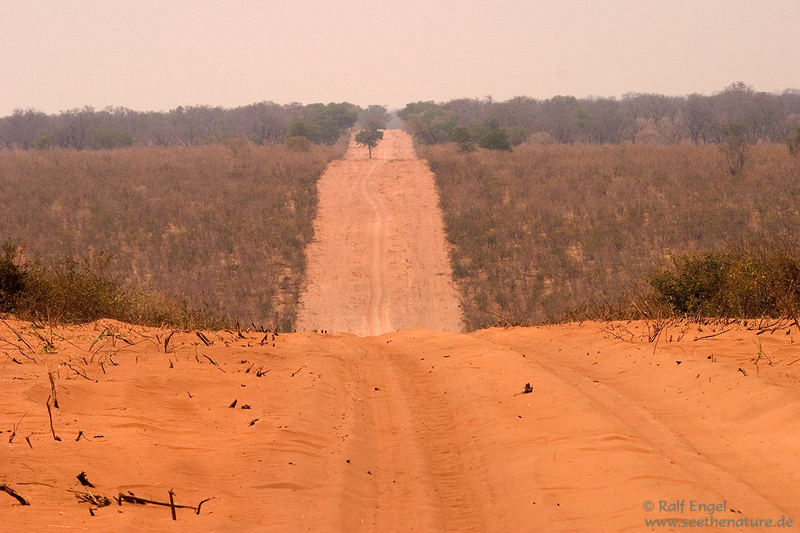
[158,54]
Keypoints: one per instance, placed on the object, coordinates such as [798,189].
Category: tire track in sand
[378,308]
[379,259]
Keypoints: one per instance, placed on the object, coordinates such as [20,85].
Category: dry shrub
[72,291]
[748,282]
[223,227]
[546,230]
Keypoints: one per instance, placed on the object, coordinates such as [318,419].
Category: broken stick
[23,340]
[172,503]
[14,494]
[166,341]
[130,498]
[50,415]
[203,338]
[53,388]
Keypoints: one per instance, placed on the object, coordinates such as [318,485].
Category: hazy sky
[158,54]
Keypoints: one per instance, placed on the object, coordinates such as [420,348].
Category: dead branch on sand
[15,332]
[203,338]
[14,494]
[50,415]
[53,389]
[166,341]
[131,498]
[81,374]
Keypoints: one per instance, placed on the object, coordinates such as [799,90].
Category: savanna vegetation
[223,227]
[550,232]
[737,114]
[72,291]
[262,123]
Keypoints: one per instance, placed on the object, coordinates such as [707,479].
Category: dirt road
[579,427]
[411,431]
[379,261]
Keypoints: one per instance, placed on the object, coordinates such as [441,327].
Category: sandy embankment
[411,431]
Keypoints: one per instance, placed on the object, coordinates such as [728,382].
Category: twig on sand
[172,503]
[14,494]
[714,334]
[16,427]
[213,363]
[298,370]
[202,502]
[50,415]
[81,374]
[166,341]
[53,389]
[15,332]
[95,499]
[130,498]
[203,338]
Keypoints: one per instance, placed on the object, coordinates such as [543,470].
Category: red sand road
[411,431]
[379,259]
[417,430]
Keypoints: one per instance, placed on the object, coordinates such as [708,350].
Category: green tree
[495,139]
[375,114]
[370,136]
[464,138]
[517,135]
[428,122]
[107,138]
[301,128]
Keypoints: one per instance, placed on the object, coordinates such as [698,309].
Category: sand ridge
[411,431]
[379,259]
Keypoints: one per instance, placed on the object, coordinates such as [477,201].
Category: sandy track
[379,261]
[418,430]
[411,431]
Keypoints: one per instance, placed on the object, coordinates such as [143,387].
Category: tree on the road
[369,136]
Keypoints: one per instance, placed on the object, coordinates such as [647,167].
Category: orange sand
[411,431]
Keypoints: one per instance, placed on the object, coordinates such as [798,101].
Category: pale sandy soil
[378,262]
[411,431]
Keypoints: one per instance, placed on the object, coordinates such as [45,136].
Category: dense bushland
[72,291]
[545,230]
[757,280]
[635,118]
[261,123]
[224,226]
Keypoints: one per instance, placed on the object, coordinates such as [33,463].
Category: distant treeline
[263,123]
[635,118]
